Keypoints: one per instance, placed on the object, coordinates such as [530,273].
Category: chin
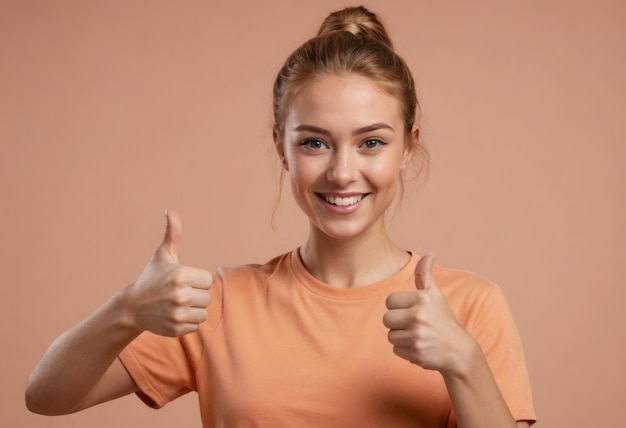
[340,232]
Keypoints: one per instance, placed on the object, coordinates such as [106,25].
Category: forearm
[78,358]
[475,396]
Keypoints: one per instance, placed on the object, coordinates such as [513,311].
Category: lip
[341,210]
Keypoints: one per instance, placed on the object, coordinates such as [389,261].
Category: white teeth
[343,202]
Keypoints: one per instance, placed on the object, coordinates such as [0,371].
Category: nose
[343,168]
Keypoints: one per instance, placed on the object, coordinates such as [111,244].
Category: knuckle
[416,318]
[179,297]
[177,277]
[178,317]
[416,334]
[420,299]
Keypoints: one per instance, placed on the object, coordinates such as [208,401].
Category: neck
[353,262]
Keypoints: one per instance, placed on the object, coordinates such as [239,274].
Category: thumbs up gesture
[168,298]
[422,327]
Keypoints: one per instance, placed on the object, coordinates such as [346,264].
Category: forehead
[343,102]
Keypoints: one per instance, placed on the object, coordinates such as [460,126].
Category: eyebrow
[316,129]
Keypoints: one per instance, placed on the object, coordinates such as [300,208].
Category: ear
[411,147]
[280,147]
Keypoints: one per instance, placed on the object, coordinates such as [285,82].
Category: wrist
[123,312]
[467,356]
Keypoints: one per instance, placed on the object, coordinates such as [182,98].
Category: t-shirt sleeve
[164,368]
[496,332]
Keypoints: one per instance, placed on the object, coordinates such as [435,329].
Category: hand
[422,327]
[168,298]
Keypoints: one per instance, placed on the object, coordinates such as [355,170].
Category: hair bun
[358,21]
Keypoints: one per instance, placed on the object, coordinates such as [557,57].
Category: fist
[422,327]
[168,298]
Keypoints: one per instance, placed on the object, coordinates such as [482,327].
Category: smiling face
[343,145]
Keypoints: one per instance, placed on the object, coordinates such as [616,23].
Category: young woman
[347,330]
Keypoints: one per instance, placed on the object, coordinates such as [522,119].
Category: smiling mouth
[342,202]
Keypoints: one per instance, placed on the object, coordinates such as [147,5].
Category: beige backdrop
[111,111]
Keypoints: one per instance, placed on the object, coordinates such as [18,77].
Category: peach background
[112,111]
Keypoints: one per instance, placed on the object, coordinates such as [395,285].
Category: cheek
[300,179]
[386,172]
[305,171]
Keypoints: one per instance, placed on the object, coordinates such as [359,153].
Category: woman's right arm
[81,368]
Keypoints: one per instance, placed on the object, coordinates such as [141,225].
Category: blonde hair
[351,41]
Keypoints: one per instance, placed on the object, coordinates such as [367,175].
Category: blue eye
[314,144]
[373,144]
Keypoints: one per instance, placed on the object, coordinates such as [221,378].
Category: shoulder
[457,281]
[470,295]
[254,273]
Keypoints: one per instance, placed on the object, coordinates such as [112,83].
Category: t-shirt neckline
[376,289]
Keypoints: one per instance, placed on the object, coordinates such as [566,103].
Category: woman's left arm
[475,396]
[425,331]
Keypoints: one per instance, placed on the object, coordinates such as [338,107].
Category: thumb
[423,275]
[173,232]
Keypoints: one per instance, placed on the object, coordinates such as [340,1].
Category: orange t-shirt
[282,349]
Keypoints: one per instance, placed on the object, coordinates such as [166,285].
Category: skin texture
[343,137]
